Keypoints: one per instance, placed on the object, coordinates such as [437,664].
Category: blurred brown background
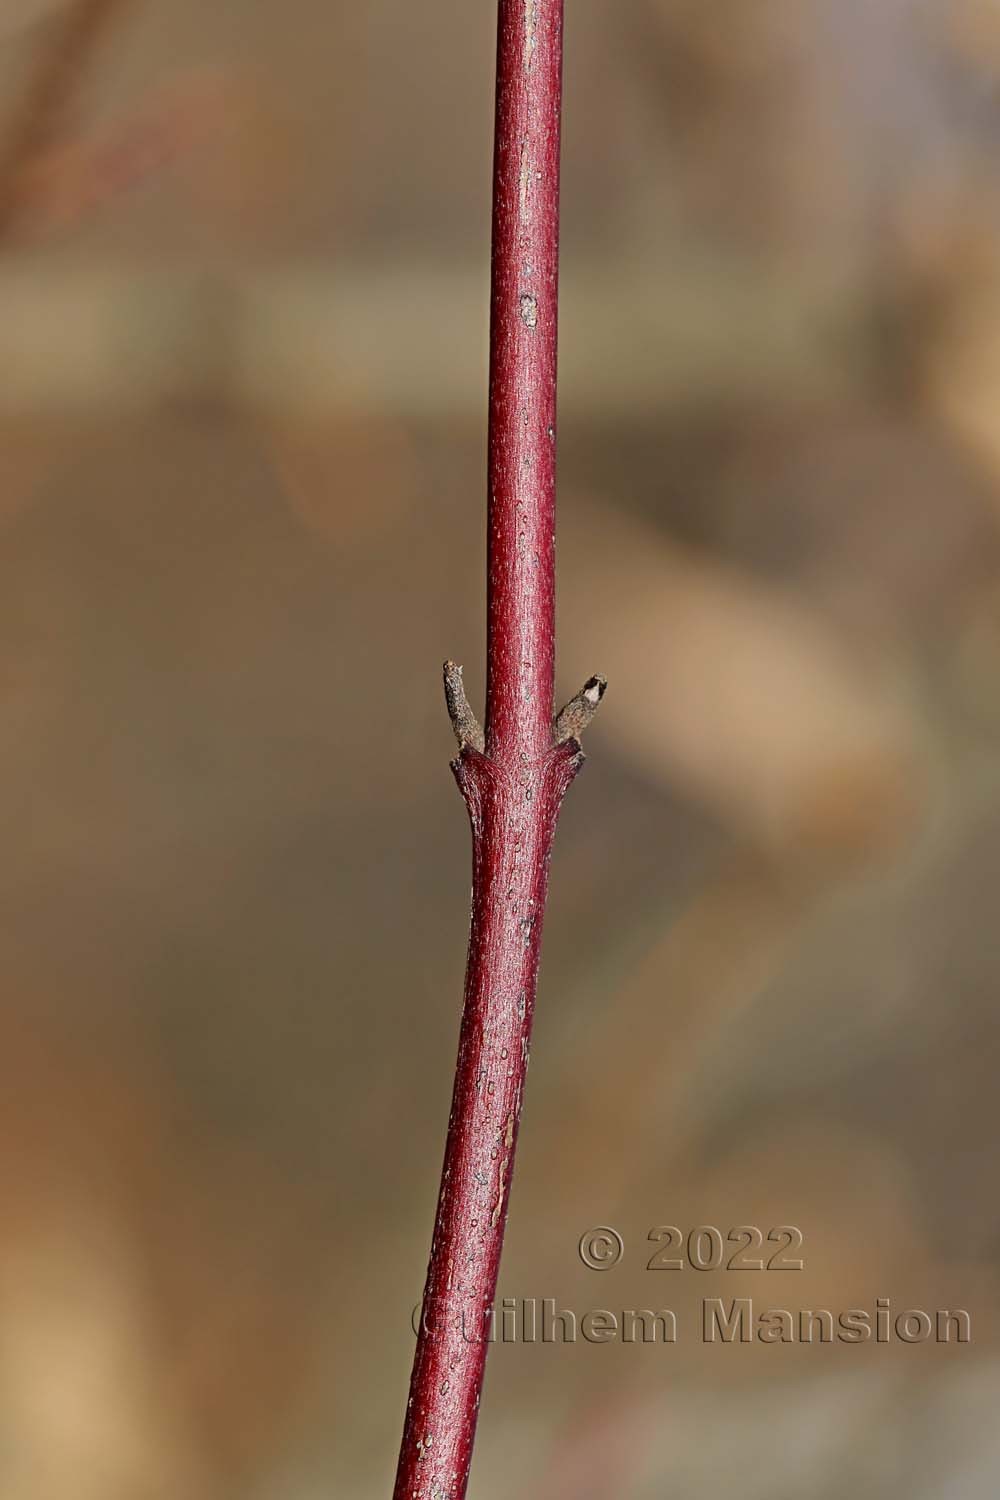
[243,291]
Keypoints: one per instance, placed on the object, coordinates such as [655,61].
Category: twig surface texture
[513,776]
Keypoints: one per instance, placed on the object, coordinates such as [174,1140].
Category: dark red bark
[512,839]
[520,651]
[513,779]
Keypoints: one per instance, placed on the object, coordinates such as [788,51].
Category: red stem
[520,649]
[514,779]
